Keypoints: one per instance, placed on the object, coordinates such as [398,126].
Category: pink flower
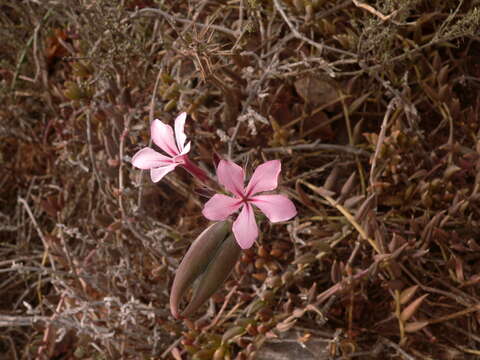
[265,178]
[162,135]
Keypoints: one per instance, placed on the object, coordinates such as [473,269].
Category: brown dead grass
[371,106]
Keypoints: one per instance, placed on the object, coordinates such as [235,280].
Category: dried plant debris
[372,107]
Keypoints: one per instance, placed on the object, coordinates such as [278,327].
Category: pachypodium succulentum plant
[217,249]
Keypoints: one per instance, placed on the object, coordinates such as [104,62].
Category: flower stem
[196,171]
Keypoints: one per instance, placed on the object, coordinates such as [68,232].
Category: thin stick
[120,167]
[400,351]
[222,309]
[150,118]
[346,213]
[90,151]
[320,47]
[373,11]
[317,146]
[34,222]
[253,92]
[172,19]
[24,52]
[381,138]
[455,315]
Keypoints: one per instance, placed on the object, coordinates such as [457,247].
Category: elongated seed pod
[196,260]
[216,273]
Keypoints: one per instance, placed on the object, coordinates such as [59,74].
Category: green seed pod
[196,260]
[220,266]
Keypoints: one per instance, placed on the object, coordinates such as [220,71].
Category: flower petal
[265,177]
[179,130]
[162,136]
[147,158]
[245,227]
[275,207]
[231,176]
[157,174]
[186,149]
[220,206]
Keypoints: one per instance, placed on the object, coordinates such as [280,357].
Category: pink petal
[231,176]
[162,136]
[179,131]
[275,207]
[245,227]
[186,149]
[158,173]
[220,206]
[265,177]
[147,158]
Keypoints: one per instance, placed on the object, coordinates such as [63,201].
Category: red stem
[196,171]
